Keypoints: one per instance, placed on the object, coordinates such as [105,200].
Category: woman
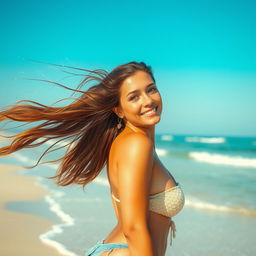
[112,124]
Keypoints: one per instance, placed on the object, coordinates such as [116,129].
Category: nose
[147,100]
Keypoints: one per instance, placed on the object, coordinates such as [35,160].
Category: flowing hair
[88,123]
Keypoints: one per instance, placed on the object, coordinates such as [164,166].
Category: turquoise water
[217,175]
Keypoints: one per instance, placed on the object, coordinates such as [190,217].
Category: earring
[119,124]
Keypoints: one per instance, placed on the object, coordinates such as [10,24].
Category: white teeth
[150,112]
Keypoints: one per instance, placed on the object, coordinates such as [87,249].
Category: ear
[118,112]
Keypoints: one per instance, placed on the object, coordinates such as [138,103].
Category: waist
[158,226]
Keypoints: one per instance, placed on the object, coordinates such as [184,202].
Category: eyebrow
[137,90]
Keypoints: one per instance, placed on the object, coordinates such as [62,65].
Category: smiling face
[140,101]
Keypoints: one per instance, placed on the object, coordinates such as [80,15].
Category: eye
[152,89]
[133,97]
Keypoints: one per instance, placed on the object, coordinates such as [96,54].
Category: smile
[150,112]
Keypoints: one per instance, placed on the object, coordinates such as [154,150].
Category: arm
[134,174]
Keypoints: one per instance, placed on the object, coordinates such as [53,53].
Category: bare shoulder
[134,165]
[133,142]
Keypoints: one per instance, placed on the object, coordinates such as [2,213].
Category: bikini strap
[173,231]
[115,197]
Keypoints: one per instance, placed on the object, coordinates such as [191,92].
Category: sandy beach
[217,218]
[19,232]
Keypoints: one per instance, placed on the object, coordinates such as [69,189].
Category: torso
[158,224]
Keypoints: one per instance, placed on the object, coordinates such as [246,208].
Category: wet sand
[19,232]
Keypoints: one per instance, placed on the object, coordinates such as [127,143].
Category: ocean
[216,173]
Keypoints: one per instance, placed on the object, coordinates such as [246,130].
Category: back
[130,165]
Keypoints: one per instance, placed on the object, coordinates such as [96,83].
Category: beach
[19,233]
[217,176]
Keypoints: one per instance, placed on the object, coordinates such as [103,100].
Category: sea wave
[167,137]
[66,219]
[22,158]
[101,181]
[202,205]
[206,139]
[220,159]
[161,152]
[54,207]
[26,160]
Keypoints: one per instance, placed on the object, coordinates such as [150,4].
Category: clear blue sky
[202,53]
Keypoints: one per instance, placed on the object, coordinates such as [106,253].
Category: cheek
[131,109]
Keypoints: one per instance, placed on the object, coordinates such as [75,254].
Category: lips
[150,111]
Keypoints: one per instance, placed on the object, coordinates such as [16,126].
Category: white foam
[22,158]
[27,160]
[101,181]
[161,152]
[202,205]
[67,220]
[54,207]
[206,139]
[53,166]
[167,137]
[220,159]
[58,246]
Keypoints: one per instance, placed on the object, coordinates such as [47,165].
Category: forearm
[139,242]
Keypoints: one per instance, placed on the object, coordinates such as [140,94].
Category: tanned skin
[135,171]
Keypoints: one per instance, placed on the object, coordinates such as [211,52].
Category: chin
[152,122]
[146,123]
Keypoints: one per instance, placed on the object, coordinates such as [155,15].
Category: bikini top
[168,203]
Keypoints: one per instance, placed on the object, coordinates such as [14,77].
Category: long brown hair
[88,123]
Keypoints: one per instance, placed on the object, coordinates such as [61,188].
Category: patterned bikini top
[168,203]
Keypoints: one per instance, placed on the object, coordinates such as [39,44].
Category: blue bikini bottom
[100,247]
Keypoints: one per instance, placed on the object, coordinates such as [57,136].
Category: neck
[149,131]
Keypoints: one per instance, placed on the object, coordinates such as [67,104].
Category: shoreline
[20,232]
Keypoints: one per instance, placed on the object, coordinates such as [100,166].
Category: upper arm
[135,163]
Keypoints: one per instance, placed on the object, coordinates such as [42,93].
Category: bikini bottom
[100,247]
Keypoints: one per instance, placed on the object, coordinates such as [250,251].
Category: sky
[202,53]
